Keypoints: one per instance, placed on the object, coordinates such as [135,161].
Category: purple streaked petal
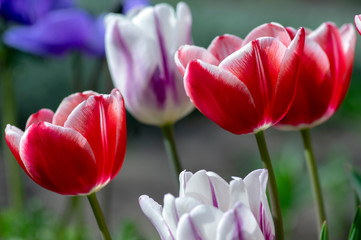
[239,224]
[153,211]
[200,224]
[208,188]
[174,208]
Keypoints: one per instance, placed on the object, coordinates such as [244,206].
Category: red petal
[314,88]
[223,46]
[188,53]
[358,23]
[58,159]
[348,38]
[13,136]
[101,120]
[221,97]
[274,30]
[284,88]
[68,105]
[257,66]
[43,115]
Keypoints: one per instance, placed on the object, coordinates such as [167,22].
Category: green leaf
[324,231]
[355,232]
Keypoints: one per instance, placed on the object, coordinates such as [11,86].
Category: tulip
[245,86]
[78,149]
[29,11]
[140,50]
[324,75]
[209,208]
[58,33]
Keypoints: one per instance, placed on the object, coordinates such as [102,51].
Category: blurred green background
[43,83]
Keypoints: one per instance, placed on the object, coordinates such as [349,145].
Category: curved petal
[348,38]
[101,120]
[328,37]
[238,224]
[13,136]
[238,192]
[221,97]
[175,208]
[223,46]
[201,223]
[358,23]
[274,30]
[208,188]
[184,177]
[68,104]
[58,159]
[314,88]
[188,53]
[285,87]
[153,211]
[43,115]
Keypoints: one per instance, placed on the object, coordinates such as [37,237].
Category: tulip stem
[272,186]
[315,181]
[170,146]
[99,216]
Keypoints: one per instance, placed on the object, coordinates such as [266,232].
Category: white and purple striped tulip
[140,51]
[208,208]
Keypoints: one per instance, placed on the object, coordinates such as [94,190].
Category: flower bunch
[210,208]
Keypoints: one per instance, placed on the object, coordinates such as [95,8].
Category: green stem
[315,182]
[15,186]
[272,186]
[99,216]
[170,146]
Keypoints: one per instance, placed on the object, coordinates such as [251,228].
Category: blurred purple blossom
[134,5]
[59,32]
[29,11]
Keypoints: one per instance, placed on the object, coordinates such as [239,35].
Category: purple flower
[140,50]
[134,5]
[29,11]
[209,208]
[59,32]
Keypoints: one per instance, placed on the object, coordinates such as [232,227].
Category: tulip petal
[153,211]
[358,23]
[58,159]
[101,120]
[238,224]
[216,92]
[329,38]
[257,65]
[238,191]
[184,177]
[188,53]
[201,223]
[285,87]
[274,30]
[313,90]
[223,46]
[13,136]
[174,208]
[43,115]
[208,188]
[68,104]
